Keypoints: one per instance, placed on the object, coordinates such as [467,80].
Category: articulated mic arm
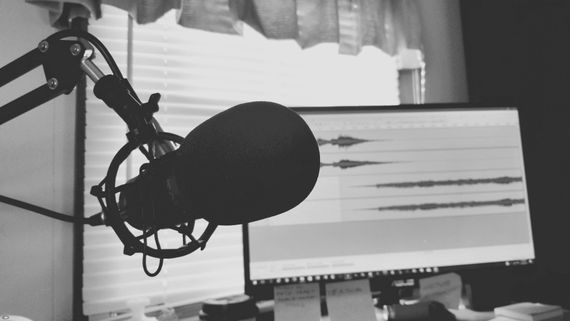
[61,61]
[64,62]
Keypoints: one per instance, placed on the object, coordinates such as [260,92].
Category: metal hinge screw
[75,49]
[43,46]
[52,83]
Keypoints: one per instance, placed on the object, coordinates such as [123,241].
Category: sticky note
[445,288]
[350,301]
[300,302]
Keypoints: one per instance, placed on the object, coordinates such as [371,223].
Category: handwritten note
[297,302]
[350,301]
[445,288]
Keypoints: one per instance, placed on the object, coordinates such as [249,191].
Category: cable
[95,42]
[156,241]
[144,258]
[93,220]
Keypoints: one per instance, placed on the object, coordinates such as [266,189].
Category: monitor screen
[401,190]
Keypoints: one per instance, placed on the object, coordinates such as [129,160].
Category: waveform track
[345,163]
[433,206]
[342,141]
[503,180]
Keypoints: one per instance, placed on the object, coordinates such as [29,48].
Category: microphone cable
[94,220]
[156,241]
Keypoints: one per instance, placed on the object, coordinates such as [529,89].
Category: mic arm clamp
[117,94]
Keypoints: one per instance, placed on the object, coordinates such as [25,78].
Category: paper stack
[528,311]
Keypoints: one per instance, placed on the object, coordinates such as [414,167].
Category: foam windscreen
[250,162]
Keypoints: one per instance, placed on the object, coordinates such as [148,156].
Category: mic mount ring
[133,244]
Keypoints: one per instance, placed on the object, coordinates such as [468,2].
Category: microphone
[250,162]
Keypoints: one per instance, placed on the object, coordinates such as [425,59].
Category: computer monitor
[402,190]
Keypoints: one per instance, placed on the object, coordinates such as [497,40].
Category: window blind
[199,74]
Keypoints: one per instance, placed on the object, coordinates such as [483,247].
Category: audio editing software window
[402,190]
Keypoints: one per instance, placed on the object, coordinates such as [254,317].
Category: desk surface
[461,315]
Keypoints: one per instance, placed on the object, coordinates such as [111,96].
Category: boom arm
[61,60]
[64,62]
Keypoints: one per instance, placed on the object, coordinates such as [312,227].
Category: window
[199,74]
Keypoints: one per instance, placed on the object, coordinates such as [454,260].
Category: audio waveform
[345,163]
[503,180]
[342,141]
[433,206]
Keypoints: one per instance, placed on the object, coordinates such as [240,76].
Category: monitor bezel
[379,282]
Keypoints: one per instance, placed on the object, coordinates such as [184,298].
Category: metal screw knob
[43,46]
[75,49]
[52,83]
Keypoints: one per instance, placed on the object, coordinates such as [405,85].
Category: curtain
[391,25]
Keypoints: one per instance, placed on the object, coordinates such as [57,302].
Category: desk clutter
[345,301]
[438,299]
[341,301]
[528,311]
[235,307]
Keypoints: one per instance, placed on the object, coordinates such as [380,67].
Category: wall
[443,48]
[446,80]
[517,53]
[36,166]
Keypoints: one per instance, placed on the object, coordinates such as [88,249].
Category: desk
[470,315]
[461,315]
